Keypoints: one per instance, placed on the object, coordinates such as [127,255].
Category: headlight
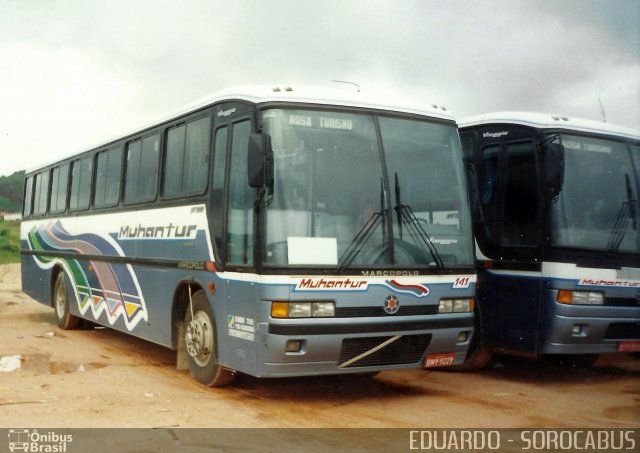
[302,309]
[456,305]
[580,297]
[323,309]
[299,310]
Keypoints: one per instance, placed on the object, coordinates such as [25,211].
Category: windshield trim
[386,207]
[631,178]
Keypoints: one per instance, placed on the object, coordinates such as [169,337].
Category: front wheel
[65,320]
[201,346]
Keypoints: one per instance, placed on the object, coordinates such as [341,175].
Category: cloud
[76,71]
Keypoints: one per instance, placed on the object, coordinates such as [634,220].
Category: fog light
[293,346]
[577,329]
[462,337]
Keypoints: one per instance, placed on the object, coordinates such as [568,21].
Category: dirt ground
[102,378]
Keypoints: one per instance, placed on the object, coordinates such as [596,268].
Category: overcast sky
[74,72]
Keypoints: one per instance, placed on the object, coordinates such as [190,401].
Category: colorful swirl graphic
[105,287]
[416,290]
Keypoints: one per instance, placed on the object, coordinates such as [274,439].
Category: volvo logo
[391,305]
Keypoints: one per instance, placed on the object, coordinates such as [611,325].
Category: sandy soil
[102,378]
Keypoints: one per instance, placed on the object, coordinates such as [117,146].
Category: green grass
[9,242]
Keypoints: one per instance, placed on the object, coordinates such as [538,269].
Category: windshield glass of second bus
[597,207]
[331,208]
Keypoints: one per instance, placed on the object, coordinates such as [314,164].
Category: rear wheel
[65,320]
[201,345]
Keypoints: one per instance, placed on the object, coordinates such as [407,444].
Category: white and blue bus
[269,231]
[558,239]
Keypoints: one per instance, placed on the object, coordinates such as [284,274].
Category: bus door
[232,225]
[510,199]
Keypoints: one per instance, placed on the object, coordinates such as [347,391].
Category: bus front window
[596,208]
[327,183]
[333,207]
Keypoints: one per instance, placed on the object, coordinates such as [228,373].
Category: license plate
[629,346]
[436,360]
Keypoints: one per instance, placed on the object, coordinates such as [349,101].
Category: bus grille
[623,331]
[370,312]
[405,350]
[622,301]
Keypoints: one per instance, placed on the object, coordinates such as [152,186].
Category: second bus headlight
[455,305]
[302,309]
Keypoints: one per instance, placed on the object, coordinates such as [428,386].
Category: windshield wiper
[407,216]
[627,212]
[360,239]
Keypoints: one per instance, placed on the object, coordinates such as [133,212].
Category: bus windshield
[358,190]
[597,207]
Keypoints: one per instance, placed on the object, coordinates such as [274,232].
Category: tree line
[11,192]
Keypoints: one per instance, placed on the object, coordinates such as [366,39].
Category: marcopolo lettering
[170,231]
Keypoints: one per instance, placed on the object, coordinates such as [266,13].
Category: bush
[9,242]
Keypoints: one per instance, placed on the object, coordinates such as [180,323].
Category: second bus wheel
[201,345]
[65,320]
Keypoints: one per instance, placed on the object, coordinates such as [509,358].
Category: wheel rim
[61,300]
[199,338]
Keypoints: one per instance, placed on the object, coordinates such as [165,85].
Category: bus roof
[549,121]
[321,95]
[260,94]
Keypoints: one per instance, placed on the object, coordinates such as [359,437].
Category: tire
[201,345]
[65,320]
[478,358]
[480,354]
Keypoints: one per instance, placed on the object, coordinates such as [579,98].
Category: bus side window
[108,167]
[142,169]
[81,171]
[59,182]
[28,197]
[487,186]
[520,224]
[42,193]
[173,161]
[217,193]
[186,161]
[240,206]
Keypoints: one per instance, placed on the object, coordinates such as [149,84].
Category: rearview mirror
[554,166]
[260,161]
[474,193]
